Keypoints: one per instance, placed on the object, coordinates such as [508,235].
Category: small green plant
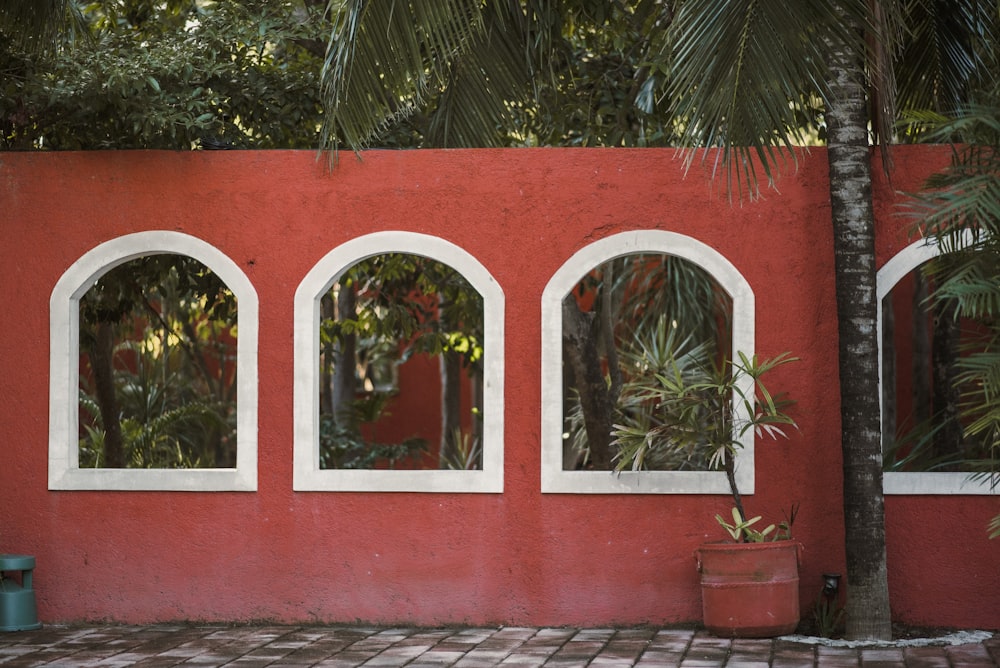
[466,455]
[741,530]
[705,410]
[345,448]
[828,614]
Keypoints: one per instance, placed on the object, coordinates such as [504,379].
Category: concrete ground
[341,646]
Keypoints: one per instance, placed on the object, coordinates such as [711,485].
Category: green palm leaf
[460,63]
[739,68]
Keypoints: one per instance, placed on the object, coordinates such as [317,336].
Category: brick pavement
[510,647]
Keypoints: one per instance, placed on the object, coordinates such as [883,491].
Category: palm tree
[961,210]
[33,22]
[752,77]
[821,54]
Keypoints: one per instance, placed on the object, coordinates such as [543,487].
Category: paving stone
[925,657]
[886,655]
[658,659]
[701,663]
[491,654]
[969,656]
[603,661]
[837,657]
[778,662]
[516,632]
[523,661]
[276,646]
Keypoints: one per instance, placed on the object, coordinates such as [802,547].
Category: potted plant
[701,410]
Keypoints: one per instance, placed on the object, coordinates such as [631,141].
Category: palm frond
[34,25]
[960,206]
[474,108]
[389,61]
[944,53]
[739,66]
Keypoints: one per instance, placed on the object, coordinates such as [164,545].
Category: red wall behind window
[516,557]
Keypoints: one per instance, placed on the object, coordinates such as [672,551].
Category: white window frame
[64,371]
[930,482]
[557,480]
[308,476]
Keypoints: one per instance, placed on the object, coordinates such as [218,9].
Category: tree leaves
[178,77]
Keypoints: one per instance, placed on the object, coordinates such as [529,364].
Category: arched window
[659,289]
[399,369]
[153,379]
[909,429]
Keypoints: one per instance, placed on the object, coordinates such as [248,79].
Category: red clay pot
[750,590]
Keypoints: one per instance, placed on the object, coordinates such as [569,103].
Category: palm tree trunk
[868,614]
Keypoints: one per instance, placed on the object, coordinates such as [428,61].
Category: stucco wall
[515,557]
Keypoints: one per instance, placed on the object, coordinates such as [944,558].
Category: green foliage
[914,450]
[828,615]
[171,75]
[424,73]
[701,409]
[173,367]
[410,304]
[467,454]
[658,308]
[698,409]
[741,530]
[650,432]
[343,448]
[166,440]
[405,305]
[960,209]
[474,74]
[730,89]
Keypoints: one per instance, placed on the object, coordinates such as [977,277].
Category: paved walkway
[342,646]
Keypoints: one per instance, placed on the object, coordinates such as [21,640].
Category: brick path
[342,646]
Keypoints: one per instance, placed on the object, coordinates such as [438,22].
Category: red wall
[516,557]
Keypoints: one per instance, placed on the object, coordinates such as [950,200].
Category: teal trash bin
[17,598]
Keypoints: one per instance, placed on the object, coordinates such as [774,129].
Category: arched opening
[153,378]
[610,309]
[368,315]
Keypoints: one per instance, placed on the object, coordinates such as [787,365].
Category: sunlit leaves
[240,75]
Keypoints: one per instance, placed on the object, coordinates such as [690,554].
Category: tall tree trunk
[945,397]
[102,364]
[326,312]
[868,614]
[888,371]
[921,355]
[580,349]
[476,390]
[450,366]
[345,358]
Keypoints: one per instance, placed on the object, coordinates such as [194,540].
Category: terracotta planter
[750,590]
